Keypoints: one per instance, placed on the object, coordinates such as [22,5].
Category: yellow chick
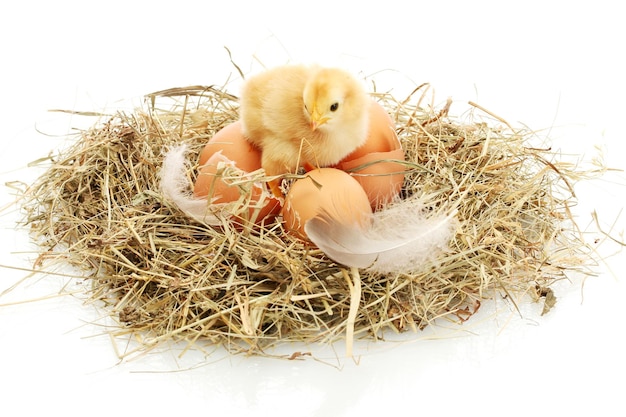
[303,116]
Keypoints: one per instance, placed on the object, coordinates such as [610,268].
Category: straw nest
[164,277]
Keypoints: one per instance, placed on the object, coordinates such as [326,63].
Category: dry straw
[164,277]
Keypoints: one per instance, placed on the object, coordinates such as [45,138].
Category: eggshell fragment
[325,190]
[382,180]
[229,146]
[233,145]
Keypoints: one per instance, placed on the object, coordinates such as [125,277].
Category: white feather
[399,238]
[175,186]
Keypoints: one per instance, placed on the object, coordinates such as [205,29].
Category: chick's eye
[334,106]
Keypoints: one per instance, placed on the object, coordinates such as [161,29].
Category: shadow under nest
[164,277]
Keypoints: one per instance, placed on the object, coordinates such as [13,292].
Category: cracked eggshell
[229,146]
[369,164]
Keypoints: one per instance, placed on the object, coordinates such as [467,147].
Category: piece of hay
[165,277]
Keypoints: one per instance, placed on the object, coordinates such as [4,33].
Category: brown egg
[381,180]
[229,145]
[233,145]
[327,190]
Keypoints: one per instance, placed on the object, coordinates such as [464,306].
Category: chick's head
[333,97]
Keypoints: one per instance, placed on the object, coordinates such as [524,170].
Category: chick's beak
[317,119]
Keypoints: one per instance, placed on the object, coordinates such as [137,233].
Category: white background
[547,66]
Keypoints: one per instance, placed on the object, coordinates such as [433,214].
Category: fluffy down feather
[174,185]
[399,238]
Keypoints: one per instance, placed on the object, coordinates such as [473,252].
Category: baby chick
[303,116]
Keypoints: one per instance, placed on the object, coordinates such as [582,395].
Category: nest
[164,277]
